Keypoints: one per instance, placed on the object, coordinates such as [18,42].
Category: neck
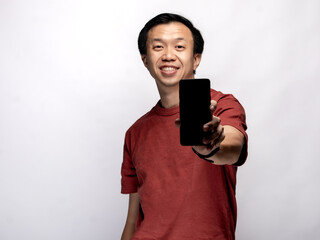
[169,102]
[169,95]
[170,98]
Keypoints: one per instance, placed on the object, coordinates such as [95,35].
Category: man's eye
[180,47]
[157,47]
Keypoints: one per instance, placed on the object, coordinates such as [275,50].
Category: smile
[169,69]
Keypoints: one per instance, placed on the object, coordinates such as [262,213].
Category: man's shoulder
[142,120]
[218,95]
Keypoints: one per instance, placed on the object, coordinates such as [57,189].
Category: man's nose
[169,55]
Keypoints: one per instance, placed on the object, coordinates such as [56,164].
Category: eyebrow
[160,40]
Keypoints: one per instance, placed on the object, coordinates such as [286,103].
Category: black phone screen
[195,111]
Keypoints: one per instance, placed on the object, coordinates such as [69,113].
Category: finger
[220,138]
[215,137]
[177,122]
[212,125]
[213,106]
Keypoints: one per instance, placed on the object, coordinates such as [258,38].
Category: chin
[168,83]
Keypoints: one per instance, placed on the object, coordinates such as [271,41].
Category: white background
[72,82]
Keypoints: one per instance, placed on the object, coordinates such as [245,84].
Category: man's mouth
[169,69]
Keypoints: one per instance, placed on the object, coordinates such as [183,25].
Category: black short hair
[164,18]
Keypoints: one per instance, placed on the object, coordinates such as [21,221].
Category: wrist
[206,157]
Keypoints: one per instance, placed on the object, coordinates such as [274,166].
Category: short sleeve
[231,113]
[129,180]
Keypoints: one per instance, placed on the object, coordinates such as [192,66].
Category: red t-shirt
[182,197]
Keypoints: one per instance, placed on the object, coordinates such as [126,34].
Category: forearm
[226,155]
[230,147]
[133,211]
[128,231]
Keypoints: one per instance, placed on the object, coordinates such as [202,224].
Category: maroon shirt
[182,197]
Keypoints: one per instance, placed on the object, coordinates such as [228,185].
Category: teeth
[168,69]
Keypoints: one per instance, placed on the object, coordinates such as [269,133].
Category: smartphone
[194,102]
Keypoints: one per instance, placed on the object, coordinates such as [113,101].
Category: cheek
[151,64]
[154,60]
[190,62]
[188,58]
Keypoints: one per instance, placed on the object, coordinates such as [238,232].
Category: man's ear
[144,60]
[196,60]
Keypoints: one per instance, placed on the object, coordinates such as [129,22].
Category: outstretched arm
[230,147]
[228,139]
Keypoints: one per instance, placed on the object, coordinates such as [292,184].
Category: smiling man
[174,193]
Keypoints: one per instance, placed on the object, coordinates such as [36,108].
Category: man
[174,193]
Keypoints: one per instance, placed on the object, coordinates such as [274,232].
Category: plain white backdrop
[72,82]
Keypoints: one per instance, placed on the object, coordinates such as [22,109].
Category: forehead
[169,31]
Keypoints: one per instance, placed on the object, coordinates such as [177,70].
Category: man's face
[170,55]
